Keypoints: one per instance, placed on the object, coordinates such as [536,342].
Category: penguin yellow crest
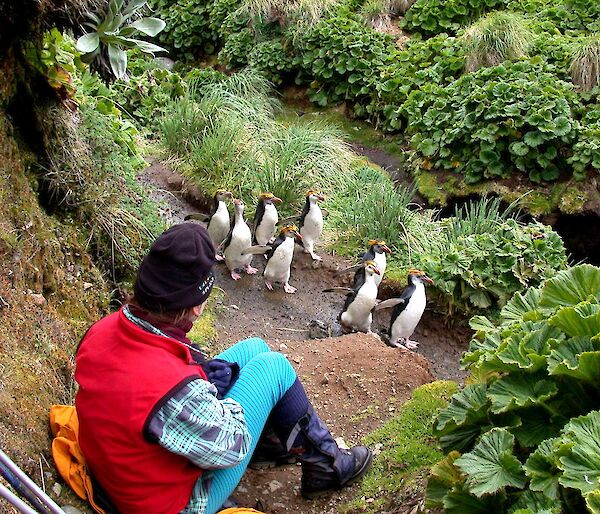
[415,271]
[266,195]
[288,228]
[373,242]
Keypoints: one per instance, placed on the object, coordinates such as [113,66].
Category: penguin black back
[280,239]
[305,210]
[258,216]
[407,292]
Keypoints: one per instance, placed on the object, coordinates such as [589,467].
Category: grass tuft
[495,38]
[406,449]
[585,68]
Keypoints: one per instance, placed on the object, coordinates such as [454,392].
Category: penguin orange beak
[386,248]
[275,199]
[425,278]
[376,270]
[320,197]
[228,194]
[298,235]
[237,201]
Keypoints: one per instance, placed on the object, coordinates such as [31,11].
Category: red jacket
[125,374]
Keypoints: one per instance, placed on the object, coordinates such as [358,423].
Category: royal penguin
[218,221]
[377,252]
[360,300]
[408,309]
[238,243]
[311,223]
[265,218]
[279,258]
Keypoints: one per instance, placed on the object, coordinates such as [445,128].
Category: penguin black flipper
[304,212]
[258,216]
[227,240]
[388,304]
[288,220]
[354,267]
[405,295]
[274,246]
[256,250]
[200,216]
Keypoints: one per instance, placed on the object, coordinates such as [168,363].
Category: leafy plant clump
[524,434]
[488,123]
[112,33]
[431,17]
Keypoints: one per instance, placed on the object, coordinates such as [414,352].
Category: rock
[87,285]
[283,346]
[38,299]
[341,443]
[165,63]
[69,509]
[274,485]
[57,489]
[325,379]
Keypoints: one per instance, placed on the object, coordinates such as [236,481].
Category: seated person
[163,430]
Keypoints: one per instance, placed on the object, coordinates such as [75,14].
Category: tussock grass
[239,144]
[376,13]
[407,450]
[497,37]
[585,67]
[286,12]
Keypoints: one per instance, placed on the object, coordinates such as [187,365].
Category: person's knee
[276,364]
[254,345]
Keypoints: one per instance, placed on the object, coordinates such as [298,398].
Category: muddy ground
[356,382]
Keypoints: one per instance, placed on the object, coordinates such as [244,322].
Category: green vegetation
[430,17]
[497,37]
[527,424]
[405,452]
[104,46]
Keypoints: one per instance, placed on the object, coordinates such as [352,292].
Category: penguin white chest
[266,228]
[358,313]
[381,263]
[278,266]
[312,226]
[218,226]
[406,322]
[241,239]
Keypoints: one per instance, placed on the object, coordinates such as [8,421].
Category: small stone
[87,285]
[279,505]
[274,485]
[69,509]
[283,346]
[242,489]
[57,489]
[38,299]
[325,379]
[233,306]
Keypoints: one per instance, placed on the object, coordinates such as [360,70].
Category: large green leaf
[527,349]
[149,26]
[88,42]
[531,502]
[118,60]
[491,466]
[537,425]
[572,286]
[442,478]
[580,462]
[541,468]
[578,357]
[592,501]
[581,320]
[520,390]
[468,405]
[521,307]
[460,501]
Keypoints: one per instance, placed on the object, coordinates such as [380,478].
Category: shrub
[431,17]
[495,38]
[438,60]
[573,17]
[341,59]
[488,123]
[586,151]
[273,59]
[527,425]
[485,256]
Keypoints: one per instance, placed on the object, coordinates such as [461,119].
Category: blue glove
[222,374]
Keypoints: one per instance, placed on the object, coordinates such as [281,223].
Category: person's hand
[222,374]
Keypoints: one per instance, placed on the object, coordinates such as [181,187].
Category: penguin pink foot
[315,257]
[289,289]
[219,257]
[411,345]
[269,286]
[250,270]
[235,275]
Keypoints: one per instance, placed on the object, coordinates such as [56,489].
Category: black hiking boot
[269,452]
[326,467]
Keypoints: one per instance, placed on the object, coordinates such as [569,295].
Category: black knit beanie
[177,272]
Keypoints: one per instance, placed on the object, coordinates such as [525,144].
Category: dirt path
[356,382]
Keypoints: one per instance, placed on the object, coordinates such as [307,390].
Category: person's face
[198,310]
